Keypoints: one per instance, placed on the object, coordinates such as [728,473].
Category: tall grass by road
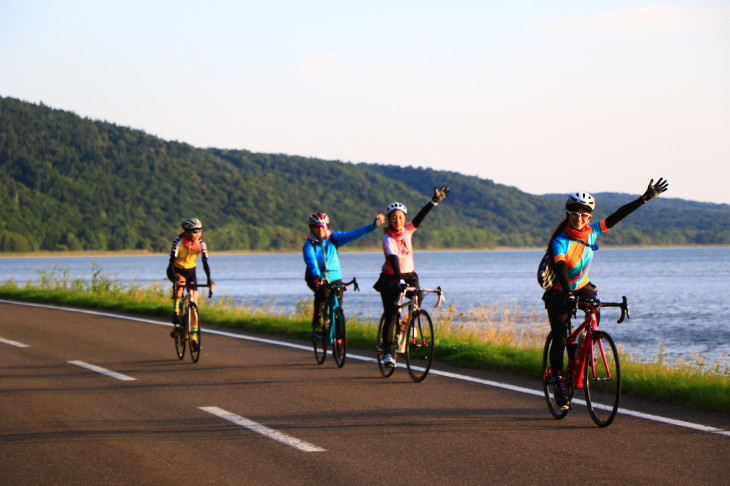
[491,337]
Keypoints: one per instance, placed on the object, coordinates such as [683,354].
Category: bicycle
[183,330]
[413,335]
[593,366]
[335,332]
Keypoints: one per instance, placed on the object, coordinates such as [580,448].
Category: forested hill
[71,183]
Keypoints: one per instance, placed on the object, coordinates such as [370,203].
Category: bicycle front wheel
[193,323]
[386,371]
[339,346]
[548,382]
[179,333]
[602,379]
[419,346]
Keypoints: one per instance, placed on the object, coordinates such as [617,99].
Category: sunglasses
[314,226]
[580,215]
[194,231]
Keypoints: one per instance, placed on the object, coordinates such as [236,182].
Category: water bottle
[401,342]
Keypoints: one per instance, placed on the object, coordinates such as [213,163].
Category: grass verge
[490,340]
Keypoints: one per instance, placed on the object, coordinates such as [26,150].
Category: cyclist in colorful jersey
[572,246]
[183,254]
[322,261]
[398,271]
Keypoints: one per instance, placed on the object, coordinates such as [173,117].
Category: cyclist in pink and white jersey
[398,271]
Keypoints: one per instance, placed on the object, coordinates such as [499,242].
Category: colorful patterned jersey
[577,256]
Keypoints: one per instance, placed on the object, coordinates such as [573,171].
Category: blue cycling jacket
[321,256]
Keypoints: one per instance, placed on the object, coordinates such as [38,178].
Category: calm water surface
[678,296]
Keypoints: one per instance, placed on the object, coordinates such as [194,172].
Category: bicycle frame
[336,334]
[590,325]
[332,304]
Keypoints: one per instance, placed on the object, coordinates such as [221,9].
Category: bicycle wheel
[179,341]
[386,371]
[319,343]
[602,380]
[419,345]
[339,346]
[194,321]
[548,384]
[181,332]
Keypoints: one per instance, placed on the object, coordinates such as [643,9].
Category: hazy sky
[547,96]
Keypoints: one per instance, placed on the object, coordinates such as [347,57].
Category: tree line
[72,183]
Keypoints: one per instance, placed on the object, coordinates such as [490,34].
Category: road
[98,399]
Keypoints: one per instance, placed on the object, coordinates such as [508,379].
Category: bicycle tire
[193,317]
[602,380]
[339,344]
[548,382]
[419,346]
[179,341]
[386,371]
[180,330]
[319,343]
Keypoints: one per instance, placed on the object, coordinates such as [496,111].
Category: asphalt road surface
[96,399]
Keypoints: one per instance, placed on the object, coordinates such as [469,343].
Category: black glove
[439,194]
[655,189]
[402,285]
[571,302]
[379,219]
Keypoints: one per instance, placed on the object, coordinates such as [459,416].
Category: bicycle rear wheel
[179,333]
[193,322]
[386,371]
[319,343]
[339,346]
[419,345]
[548,382]
[602,380]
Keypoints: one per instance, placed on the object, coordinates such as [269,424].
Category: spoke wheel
[193,321]
[179,341]
[386,371]
[181,332]
[548,383]
[319,343]
[602,379]
[339,346]
[419,346]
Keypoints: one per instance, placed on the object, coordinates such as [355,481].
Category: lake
[678,296]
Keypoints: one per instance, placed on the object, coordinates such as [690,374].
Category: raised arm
[651,192]
[438,196]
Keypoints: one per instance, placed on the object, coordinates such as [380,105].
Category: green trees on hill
[70,183]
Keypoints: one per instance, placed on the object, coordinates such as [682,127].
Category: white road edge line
[14,343]
[103,371]
[263,430]
[519,389]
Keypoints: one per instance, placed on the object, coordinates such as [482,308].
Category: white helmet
[393,206]
[580,200]
[191,224]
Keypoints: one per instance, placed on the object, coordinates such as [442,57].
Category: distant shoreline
[95,253]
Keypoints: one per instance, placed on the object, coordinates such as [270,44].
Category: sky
[548,97]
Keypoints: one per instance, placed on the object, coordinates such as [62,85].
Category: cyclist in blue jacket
[323,263]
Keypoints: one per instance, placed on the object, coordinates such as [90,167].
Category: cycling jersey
[183,254]
[577,256]
[400,246]
[321,256]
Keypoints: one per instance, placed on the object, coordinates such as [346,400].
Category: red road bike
[593,366]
